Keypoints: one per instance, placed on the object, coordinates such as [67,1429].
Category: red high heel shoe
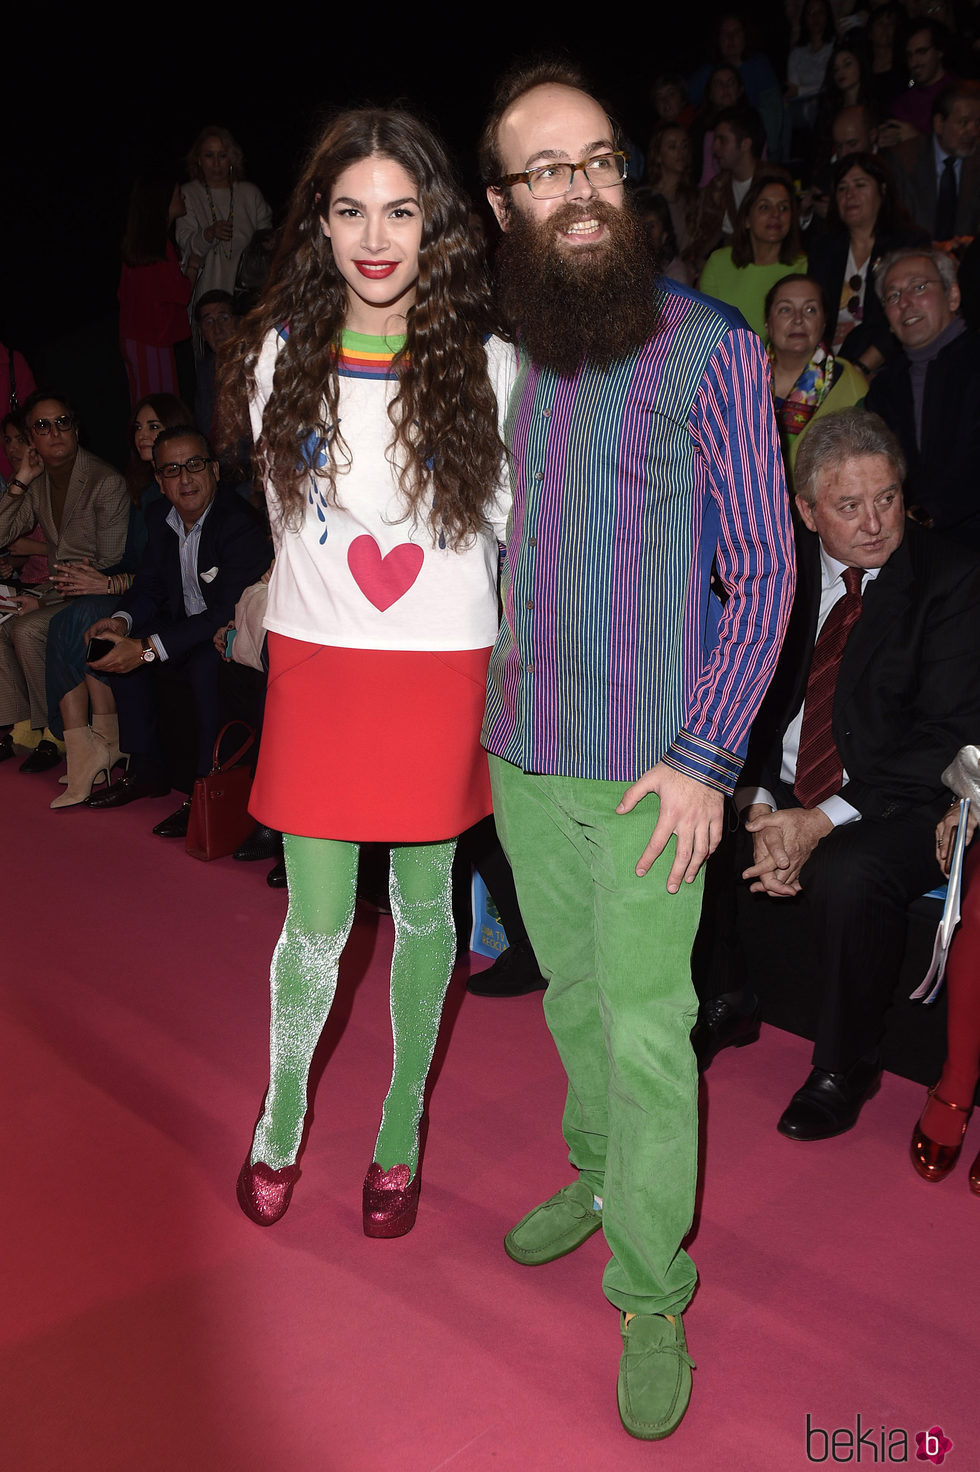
[391,1201]
[975,1177]
[933,1161]
[264,1194]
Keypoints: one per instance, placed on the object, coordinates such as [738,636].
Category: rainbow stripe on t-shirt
[364,356]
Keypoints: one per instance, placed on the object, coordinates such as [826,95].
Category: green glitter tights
[322,888]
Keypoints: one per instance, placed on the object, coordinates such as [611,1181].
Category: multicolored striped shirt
[629,483]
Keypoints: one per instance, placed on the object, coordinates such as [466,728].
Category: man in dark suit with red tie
[877,688]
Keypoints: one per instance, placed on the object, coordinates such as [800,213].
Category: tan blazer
[94,521]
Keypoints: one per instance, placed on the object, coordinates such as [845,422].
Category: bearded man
[622,689]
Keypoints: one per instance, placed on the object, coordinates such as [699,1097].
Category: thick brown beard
[573,305]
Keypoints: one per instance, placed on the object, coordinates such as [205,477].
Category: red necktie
[819,770]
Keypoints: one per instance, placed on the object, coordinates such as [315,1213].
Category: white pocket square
[209,576]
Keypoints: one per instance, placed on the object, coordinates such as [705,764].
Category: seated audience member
[928,395]
[807,63]
[16,383]
[201,552]
[938,1136]
[865,221]
[81,505]
[724,90]
[847,83]
[853,130]
[670,100]
[808,381]
[765,246]
[23,559]
[214,314]
[938,176]
[669,175]
[910,114]
[737,149]
[71,687]
[877,688]
[888,73]
[655,215]
[755,74]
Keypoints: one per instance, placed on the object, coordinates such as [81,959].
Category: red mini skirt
[372,745]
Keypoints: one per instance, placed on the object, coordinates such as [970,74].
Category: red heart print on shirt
[383,580]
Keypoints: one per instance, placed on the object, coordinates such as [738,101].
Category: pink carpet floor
[148,1326]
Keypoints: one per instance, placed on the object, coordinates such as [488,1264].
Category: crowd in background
[782,185]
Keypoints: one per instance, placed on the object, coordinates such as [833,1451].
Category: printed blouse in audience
[669,175]
[153,292]
[807,379]
[655,214]
[865,221]
[223,212]
[765,245]
[93,747]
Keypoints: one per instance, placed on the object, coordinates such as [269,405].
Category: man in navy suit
[202,551]
[843,814]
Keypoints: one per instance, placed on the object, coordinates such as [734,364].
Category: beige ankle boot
[108,728]
[88,754]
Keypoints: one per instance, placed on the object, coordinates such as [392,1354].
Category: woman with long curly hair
[374,418]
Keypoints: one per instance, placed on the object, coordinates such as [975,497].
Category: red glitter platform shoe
[391,1201]
[264,1194]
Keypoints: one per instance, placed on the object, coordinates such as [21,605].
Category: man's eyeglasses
[45,426]
[193,466]
[550,181]
[912,289]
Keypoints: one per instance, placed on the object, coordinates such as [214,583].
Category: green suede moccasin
[654,1375]
[555,1227]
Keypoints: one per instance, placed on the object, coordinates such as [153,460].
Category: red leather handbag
[219,819]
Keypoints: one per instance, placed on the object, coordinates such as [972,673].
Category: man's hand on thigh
[690,811]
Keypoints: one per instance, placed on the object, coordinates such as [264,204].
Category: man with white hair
[928,396]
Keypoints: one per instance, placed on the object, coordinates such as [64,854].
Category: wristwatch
[149,654]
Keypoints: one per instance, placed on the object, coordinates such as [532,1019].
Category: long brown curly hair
[444,412]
